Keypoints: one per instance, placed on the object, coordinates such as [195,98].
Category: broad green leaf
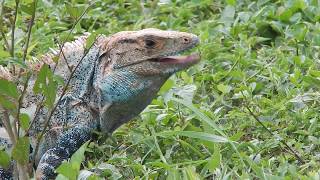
[20,151]
[284,13]
[299,31]
[46,85]
[78,156]
[227,15]
[6,103]
[66,169]
[8,88]
[71,169]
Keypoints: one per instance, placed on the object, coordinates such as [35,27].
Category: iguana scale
[113,83]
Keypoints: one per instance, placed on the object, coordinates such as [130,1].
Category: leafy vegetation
[249,110]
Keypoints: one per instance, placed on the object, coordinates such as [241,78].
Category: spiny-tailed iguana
[114,81]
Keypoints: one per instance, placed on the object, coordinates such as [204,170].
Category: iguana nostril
[186,40]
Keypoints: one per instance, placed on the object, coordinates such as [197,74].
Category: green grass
[261,56]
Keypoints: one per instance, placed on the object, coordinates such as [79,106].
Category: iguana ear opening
[103,44]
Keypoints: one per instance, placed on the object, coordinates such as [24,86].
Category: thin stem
[20,101]
[38,108]
[163,159]
[13,31]
[71,30]
[31,22]
[271,133]
[1,27]
[8,127]
[23,172]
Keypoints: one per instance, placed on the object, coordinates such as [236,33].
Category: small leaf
[166,86]
[186,92]
[173,174]
[4,54]
[227,15]
[215,159]
[191,174]
[20,151]
[28,8]
[90,40]
[224,88]
[231,2]
[4,159]
[24,121]
[312,81]
[115,173]
[41,79]
[75,12]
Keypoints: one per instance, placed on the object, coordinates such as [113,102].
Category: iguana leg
[67,144]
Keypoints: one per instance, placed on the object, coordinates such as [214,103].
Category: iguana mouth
[188,59]
[176,58]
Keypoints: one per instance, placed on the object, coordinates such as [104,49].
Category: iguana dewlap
[114,82]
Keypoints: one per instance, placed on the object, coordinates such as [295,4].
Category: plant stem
[13,31]
[163,159]
[8,127]
[29,30]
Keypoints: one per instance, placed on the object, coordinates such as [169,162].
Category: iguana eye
[149,43]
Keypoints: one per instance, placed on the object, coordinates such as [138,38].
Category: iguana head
[133,66]
[150,51]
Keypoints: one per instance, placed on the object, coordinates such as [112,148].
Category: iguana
[112,83]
